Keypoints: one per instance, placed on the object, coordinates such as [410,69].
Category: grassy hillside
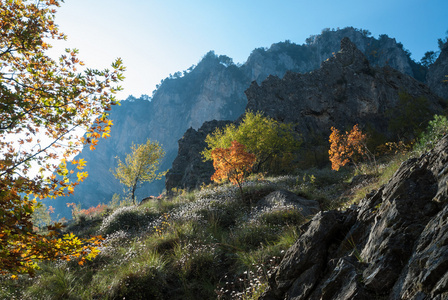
[205,244]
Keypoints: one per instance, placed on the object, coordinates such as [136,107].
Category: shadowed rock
[285,198]
[394,245]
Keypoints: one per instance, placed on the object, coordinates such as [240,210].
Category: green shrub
[274,144]
[281,217]
[437,128]
[127,218]
[252,236]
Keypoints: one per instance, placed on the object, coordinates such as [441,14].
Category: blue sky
[159,37]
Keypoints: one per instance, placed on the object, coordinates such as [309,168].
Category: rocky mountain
[393,245]
[344,91]
[307,57]
[214,89]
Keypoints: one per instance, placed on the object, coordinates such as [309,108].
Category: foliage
[437,128]
[41,215]
[346,147]
[429,58]
[43,103]
[140,166]
[78,213]
[393,148]
[273,143]
[407,119]
[232,164]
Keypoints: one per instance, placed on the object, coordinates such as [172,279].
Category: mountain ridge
[214,89]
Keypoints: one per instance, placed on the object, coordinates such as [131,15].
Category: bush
[282,217]
[437,128]
[127,218]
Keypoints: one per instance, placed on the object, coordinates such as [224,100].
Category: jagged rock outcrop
[394,245]
[307,57]
[189,171]
[346,90]
[437,77]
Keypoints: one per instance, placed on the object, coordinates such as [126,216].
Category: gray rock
[189,170]
[394,246]
[436,77]
[344,91]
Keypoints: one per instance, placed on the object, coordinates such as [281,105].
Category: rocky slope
[393,245]
[344,91]
[214,89]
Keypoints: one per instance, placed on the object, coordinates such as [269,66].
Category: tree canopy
[43,103]
[140,166]
[346,147]
[273,143]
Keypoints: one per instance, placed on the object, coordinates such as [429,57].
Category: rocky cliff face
[344,91]
[393,245]
[188,170]
[214,89]
[437,78]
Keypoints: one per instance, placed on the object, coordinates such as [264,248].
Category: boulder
[283,198]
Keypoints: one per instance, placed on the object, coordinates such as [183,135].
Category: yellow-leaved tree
[42,104]
[347,147]
[140,166]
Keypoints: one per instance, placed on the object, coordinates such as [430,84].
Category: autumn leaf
[49,97]
[345,147]
[232,164]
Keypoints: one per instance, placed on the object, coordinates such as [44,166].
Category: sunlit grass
[208,243]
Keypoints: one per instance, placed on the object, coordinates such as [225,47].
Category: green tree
[273,143]
[42,104]
[429,58]
[437,128]
[140,166]
[409,118]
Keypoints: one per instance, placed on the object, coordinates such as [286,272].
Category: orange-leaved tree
[43,103]
[347,147]
[232,164]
